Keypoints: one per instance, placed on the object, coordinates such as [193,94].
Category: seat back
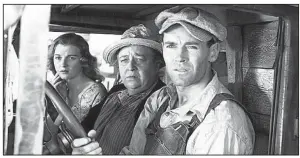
[259,54]
[250,56]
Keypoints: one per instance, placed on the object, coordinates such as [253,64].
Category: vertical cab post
[33,61]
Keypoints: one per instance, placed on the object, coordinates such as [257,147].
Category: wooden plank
[234,57]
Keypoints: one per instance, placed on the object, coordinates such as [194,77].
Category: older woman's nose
[131,65]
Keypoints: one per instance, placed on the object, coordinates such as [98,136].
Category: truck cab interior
[258,62]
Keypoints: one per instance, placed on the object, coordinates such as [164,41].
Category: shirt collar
[199,105]
[123,95]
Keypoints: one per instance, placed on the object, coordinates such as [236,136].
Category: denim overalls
[172,140]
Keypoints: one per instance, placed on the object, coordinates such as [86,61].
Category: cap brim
[196,32]
[109,53]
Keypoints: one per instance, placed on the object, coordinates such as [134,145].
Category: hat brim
[197,33]
[109,54]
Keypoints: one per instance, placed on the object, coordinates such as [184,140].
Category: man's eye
[192,47]
[169,46]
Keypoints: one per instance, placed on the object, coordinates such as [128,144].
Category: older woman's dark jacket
[114,118]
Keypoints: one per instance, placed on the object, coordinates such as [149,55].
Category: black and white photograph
[150,79]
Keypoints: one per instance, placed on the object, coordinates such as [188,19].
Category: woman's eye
[57,58]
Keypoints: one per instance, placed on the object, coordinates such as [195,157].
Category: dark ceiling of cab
[103,18]
[112,17]
[136,11]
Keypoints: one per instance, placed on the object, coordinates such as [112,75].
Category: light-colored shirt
[225,130]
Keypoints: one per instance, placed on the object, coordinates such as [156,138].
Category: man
[195,114]
[138,58]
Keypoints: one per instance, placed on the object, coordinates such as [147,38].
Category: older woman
[77,78]
[138,58]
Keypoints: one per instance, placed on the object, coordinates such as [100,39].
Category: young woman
[77,78]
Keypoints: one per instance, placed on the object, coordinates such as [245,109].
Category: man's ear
[214,52]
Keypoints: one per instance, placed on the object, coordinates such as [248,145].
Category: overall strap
[217,100]
[195,122]
[225,96]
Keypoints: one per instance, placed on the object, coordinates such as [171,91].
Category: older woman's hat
[136,35]
[199,23]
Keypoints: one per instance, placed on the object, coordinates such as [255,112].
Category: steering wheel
[73,126]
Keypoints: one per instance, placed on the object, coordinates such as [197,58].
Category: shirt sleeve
[224,141]
[138,140]
[95,94]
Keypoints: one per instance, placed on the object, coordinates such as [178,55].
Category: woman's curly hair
[88,61]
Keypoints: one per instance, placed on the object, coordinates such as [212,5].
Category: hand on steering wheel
[86,145]
[60,86]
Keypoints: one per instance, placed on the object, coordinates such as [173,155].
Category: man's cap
[136,35]
[199,23]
